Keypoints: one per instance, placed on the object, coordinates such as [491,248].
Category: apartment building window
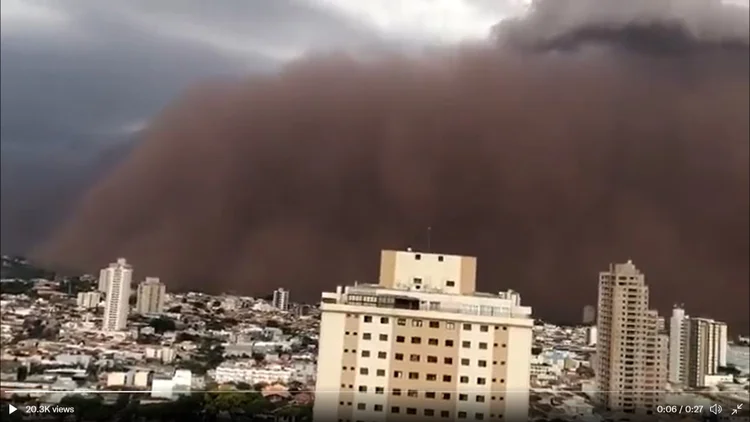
[450,283]
[383,337]
[479,416]
[480,399]
[466,344]
[450,326]
[448,343]
[378,408]
[447,378]
[502,362]
[413,375]
[503,345]
[416,323]
[433,342]
[401,321]
[382,355]
[429,395]
[411,411]
[445,414]
[362,389]
[395,409]
[463,379]
[399,356]
[465,362]
[384,320]
[461,415]
[364,371]
[448,361]
[482,345]
[396,392]
[414,358]
[416,340]
[429,412]
[484,328]
[463,397]
[400,339]
[481,381]
[446,396]
[366,336]
[368,318]
[380,372]
[431,377]
[412,393]
[467,327]
[365,353]
[398,374]
[482,363]
[361,406]
[432,359]
[434,324]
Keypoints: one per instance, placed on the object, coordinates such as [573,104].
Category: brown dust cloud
[575,137]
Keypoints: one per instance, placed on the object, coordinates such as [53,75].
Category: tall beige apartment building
[118,277]
[150,296]
[631,352]
[423,343]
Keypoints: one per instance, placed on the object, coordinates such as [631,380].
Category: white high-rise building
[707,350]
[679,325]
[589,315]
[423,344]
[103,280]
[591,335]
[89,300]
[281,299]
[119,276]
[150,296]
[697,348]
[631,354]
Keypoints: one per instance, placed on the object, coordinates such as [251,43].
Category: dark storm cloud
[77,75]
[546,165]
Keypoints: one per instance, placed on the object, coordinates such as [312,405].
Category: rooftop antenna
[429,239]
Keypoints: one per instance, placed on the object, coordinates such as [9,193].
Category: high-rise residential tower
[89,300]
[679,325]
[589,315]
[707,341]
[103,280]
[697,348]
[118,275]
[150,299]
[631,354]
[423,343]
[281,299]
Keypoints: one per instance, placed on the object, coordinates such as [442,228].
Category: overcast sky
[104,67]
[80,76]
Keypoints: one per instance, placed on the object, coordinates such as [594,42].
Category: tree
[259,357]
[162,324]
[243,386]
[21,373]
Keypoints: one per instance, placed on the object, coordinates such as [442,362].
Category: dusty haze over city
[586,132]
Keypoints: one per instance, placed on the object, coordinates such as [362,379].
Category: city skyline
[589,311]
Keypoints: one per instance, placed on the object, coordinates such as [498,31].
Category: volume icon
[715,409]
